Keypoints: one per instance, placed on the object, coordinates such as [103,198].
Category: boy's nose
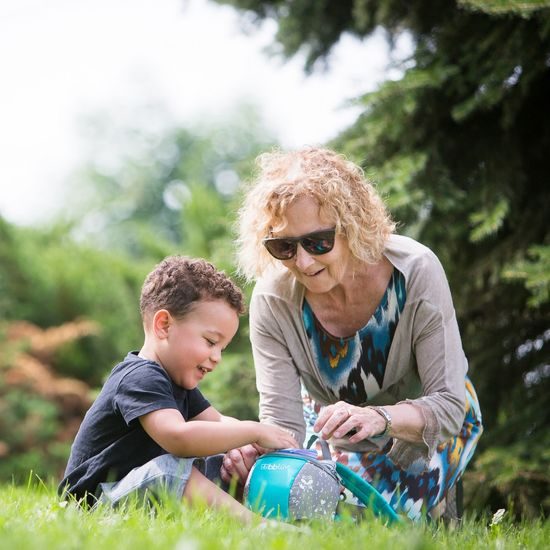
[215,356]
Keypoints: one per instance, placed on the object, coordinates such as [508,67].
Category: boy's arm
[210,415]
[213,415]
[168,428]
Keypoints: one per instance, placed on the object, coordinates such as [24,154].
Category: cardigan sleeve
[440,359]
[277,377]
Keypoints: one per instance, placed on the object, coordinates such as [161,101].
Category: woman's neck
[348,307]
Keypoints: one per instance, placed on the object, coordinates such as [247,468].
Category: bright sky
[62,59]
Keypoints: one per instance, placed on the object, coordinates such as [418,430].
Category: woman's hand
[237,463]
[340,419]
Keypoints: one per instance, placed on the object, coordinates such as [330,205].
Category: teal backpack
[293,484]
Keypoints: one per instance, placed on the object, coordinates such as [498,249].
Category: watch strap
[387,417]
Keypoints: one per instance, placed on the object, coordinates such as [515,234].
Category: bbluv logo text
[277,467]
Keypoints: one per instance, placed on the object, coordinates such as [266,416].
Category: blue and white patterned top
[354,366]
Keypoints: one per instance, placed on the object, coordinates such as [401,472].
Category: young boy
[150,422]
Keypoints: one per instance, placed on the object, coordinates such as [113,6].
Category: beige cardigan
[426,365]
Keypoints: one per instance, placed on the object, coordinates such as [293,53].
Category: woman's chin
[318,283]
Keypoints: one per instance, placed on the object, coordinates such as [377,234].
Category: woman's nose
[303,259]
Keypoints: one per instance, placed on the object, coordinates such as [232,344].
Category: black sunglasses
[316,243]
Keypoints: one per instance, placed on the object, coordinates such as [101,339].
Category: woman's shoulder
[407,254]
[425,276]
[406,246]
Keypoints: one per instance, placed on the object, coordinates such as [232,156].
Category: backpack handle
[360,488]
[325,449]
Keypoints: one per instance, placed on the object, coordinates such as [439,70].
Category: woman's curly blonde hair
[338,185]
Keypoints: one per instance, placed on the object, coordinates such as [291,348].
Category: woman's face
[318,273]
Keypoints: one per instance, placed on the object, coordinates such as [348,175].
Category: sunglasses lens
[319,244]
[281,248]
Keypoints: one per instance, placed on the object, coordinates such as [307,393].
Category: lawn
[33,517]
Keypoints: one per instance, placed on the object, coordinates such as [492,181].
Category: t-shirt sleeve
[197,403]
[142,390]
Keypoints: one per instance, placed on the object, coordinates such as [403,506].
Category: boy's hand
[273,437]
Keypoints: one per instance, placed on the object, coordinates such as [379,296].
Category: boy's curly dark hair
[178,282]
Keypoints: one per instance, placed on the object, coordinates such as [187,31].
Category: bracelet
[386,416]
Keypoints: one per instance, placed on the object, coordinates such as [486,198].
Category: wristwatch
[387,417]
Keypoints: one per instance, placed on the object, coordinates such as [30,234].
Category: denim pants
[165,475]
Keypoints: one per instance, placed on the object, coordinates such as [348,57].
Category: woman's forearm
[407,422]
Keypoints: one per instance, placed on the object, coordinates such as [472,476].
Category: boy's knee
[165,474]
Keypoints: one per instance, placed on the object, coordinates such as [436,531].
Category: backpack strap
[366,493]
[360,488]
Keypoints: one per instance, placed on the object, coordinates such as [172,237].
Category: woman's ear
[161,323]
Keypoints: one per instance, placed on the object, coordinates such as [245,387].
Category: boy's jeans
[164,475]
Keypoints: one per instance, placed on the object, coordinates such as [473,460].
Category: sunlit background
[65,60]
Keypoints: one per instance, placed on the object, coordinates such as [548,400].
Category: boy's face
[194,344]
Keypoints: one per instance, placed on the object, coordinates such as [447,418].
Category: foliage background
[458,146]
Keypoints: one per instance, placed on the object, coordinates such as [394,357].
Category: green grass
[33,517]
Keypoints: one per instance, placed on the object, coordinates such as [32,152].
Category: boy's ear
[161,323]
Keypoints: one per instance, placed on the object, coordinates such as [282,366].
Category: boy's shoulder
[133,362]
[134,371]
[140,385]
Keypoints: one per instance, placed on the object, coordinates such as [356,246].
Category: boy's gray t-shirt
[111,440]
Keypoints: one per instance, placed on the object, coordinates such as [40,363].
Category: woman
[353,332]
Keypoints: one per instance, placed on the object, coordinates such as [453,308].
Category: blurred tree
[459,146]
[48,279]
[132,193]
[40,411]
